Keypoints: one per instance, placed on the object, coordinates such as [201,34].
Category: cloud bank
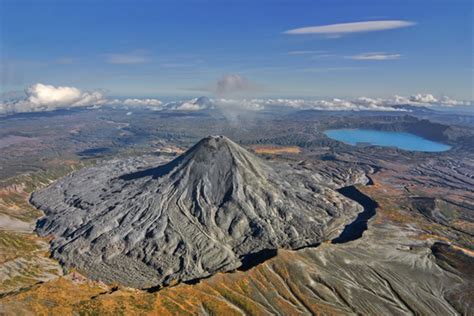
[41,97]
[335,104]
[431,100]
[348,28]
[196,104]
[140,102]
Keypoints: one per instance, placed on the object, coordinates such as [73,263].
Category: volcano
[201,213]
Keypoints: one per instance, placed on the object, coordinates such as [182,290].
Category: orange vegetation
[274,150]
[467,252]
[276,285]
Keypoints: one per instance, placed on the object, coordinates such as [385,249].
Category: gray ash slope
[194,216]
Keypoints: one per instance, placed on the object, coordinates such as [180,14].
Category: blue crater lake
[405,141]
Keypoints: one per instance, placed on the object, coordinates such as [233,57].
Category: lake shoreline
[400,140]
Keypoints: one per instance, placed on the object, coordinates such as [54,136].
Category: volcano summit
[196,215]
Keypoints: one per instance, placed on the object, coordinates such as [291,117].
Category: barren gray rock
[196,215]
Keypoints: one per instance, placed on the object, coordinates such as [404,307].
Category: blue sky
[181,48]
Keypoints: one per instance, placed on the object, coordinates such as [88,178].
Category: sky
[280,48]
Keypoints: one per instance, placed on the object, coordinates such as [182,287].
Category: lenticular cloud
[353,27]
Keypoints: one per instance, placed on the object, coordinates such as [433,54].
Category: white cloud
[190,106]
[244,104]
[335,30]
[447,101]
[151,104]
[239,106]
[196,104]
[427,99]
[375,56]
[205,103]
[141,102]
[335,104]
[423,98]
[41,97]
[135,57]
[40,94]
